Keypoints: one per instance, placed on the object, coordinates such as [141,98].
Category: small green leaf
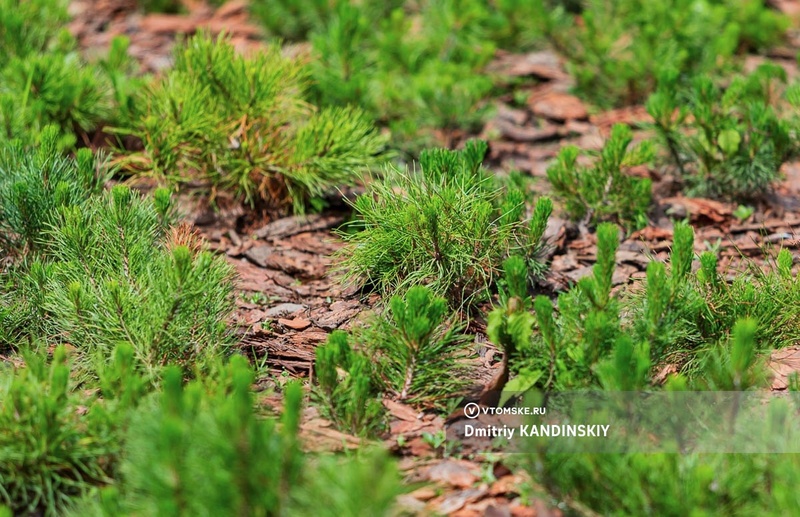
[520,384]
[729,140]
[743,212]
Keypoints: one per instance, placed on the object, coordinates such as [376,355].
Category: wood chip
[783,364]
[296,324]
[454,473]
[559,106]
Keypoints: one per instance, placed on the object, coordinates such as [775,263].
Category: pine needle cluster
[605,191]
[247,464]
[105,268]
[618,50]
[671,484]
[50,452]
[44,80]
[419,352]
[448,225]
[112,276]
[28,27]
[732,365]
[725,143]
[295,20]
[35,185]
[347,389]
[415,355]
[202,448]
[594,338]
[241,124]
[193,448]
[421,73]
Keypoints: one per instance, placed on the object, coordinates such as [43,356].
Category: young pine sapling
[448,226]
[605,191]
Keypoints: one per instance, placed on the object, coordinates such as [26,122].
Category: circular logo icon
[472,410]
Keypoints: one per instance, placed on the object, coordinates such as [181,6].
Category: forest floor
[288,301]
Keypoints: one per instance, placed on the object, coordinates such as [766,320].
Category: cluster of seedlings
[129,390]
[113,308]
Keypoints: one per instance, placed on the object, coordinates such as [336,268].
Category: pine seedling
[734,365]
[293,19]
[247,465]
[420,73]
[734,142]
[447,226]
[110,275]
[346,388]
[50,453]
[569,344]
[681,314]
[121,71]
[120,380]
[658,293]
[682,253]
[669,114]
[672,313]
[598,287]
[419,351]
[601,323]
[604,191]
[53,88]
[619,49]
[241,125]
[342,69]
[27,27]
[628,368]
[510,324]
[414,356]
[450,97]
[206,452]
[364,483]
[44,80]
[34,185]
